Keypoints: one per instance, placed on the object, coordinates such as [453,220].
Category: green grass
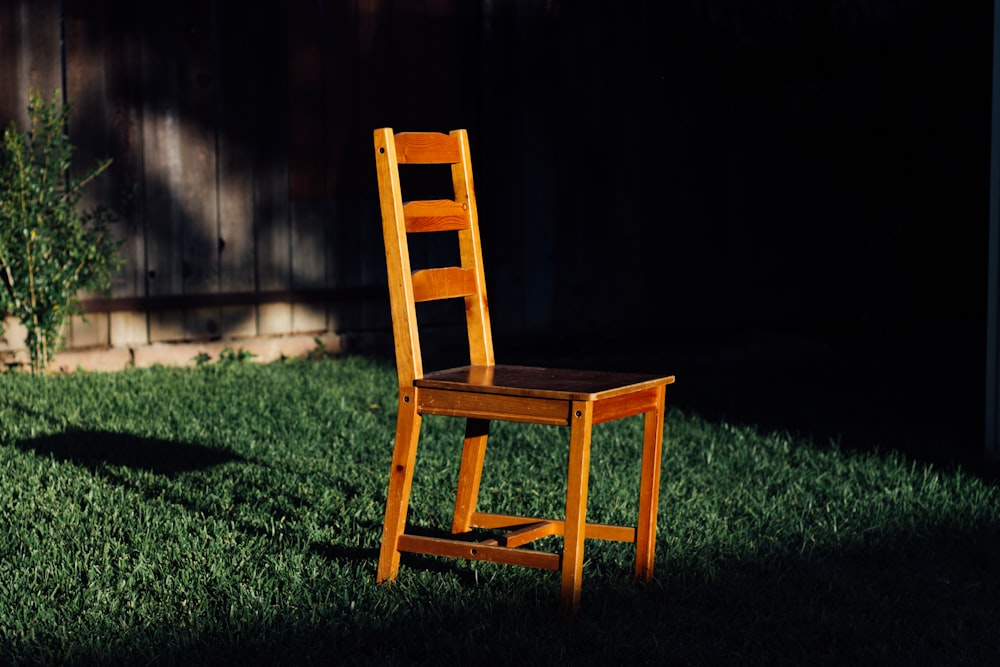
[230,514]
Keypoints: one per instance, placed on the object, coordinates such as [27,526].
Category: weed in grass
[229,355]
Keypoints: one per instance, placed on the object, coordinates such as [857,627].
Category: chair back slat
[445,283]
[427,148]
[437,215]
[457,215]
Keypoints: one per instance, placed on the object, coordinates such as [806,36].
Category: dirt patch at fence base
[187,353]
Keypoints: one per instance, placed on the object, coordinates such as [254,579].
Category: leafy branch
[50,249]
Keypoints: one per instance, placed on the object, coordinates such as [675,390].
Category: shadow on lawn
[932,598]
[96,449]
[926,596]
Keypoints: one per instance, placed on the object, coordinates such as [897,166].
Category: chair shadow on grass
[95,450]
[358,554]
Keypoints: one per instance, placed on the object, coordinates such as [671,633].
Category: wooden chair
[484,391]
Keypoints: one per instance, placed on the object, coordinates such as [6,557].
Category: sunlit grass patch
[232,513]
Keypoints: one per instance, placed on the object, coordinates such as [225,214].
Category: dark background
[800,190]
[784,202]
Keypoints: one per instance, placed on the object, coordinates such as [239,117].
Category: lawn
[231,514]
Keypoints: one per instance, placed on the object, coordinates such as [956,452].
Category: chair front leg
[649,490]
[400,479]
[470,473]
[577,479]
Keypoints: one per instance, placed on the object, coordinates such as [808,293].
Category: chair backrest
[406,287]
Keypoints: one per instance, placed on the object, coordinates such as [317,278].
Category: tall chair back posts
[483,391]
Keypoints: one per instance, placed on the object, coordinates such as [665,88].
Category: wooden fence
[241,138]
[641,166]
[219,121]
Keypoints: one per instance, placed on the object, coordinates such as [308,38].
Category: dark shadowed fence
[642,167]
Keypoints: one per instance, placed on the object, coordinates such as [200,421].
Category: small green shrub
[318,352]
[50,249]
[231,356]
[227,356]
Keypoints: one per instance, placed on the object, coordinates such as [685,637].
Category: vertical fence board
[237,46]
[496,160]
[308,262]
[307,161]
[88,331]
[377,105]
[85,33]
[199,193]
[538,148]
[340,65]
[992,412]
[271,174]
[123,111]
[162,166]
[11,104]
[13,339]
[39,56]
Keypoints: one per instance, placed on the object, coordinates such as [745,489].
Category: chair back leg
[470,473]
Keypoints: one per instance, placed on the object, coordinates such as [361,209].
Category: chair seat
[536,382]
